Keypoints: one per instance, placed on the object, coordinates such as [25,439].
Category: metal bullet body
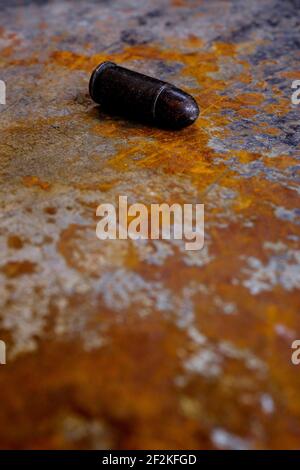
[123,92]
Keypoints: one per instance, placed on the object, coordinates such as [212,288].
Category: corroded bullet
[123,92]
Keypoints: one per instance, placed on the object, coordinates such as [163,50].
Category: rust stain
[31,181]
[18,268]
[15,242]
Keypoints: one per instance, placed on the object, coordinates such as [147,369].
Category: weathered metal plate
[123,344]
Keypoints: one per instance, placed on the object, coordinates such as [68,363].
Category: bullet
[136,96]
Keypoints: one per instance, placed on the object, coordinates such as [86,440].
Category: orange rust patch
[15,242]
[247,112]
[179,3]
[104,187]
[50,210]
[18,268]
[251,98]
[293,74]
[246,157]
[281,162]
[24,62]
[280,108]
[225,49]
[30,181]
[66,391]
[264,128]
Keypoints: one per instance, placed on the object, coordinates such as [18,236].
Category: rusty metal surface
[123,344]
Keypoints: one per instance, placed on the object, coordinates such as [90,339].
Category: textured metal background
[123,344]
